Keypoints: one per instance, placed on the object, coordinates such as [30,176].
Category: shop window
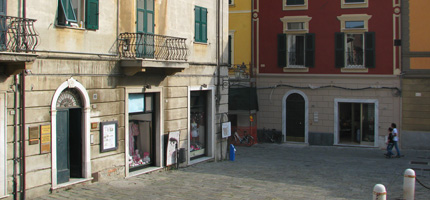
[198,124]
[356,123]
[141,131]
[79,13]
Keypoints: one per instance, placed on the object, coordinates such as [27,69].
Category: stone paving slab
[272,171]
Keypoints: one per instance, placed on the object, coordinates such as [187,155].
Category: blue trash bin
[232,152]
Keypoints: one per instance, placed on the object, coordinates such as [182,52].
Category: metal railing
[296,58]
[354,59]
[152,46]
[18,34]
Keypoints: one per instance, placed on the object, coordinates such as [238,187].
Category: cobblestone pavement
[272,171]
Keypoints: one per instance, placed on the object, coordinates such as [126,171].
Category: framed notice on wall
[108,136]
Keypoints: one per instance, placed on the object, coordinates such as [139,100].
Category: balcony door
[145,29]
[3,25]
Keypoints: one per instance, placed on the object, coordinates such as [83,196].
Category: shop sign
[45,138]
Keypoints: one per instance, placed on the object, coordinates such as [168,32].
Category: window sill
[201,43]
[354,70]
[355,5]
[296,69]
[69,27]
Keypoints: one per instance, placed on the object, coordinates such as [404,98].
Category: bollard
[379,192]
[232,152]
[409,184]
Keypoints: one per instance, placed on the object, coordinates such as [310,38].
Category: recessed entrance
[69,136]
[295,118]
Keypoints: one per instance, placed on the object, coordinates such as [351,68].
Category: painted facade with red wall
[328,71]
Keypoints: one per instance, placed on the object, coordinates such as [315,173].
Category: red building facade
[328,71]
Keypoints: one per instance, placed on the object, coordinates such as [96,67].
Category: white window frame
[292,19]
[354,17]
[347,66]
[364,4]
[294,7]
[336,117]
[288,52]
[232,3]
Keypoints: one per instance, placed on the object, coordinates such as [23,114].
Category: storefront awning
[242,98]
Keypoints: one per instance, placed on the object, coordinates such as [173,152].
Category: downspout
[218,92]
[16,139]
[251,66]
[24,15]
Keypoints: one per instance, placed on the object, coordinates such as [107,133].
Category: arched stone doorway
[295,117]
[70,116]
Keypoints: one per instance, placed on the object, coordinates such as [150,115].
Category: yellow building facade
[240,33]
[414,128]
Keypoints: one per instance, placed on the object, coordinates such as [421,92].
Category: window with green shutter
[92,14]
[200,30]
[66,13]
[72,13]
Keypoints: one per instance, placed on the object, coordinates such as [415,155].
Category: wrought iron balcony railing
[17,34]
[152,46]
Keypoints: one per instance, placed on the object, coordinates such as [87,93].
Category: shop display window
[198,124]
[141,133]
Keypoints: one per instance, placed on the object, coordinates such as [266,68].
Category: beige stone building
[98,90]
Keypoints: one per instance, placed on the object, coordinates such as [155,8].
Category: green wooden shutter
[204,25]
[369,56]
[197,29]
[92,14]
[310,50]
[339,43]
[282,50]
[229,50]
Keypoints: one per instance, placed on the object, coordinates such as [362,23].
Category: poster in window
[171,147]
[109,136]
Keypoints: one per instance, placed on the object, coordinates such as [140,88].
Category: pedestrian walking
[396,139]
[390,143]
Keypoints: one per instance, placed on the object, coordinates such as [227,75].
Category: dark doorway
[69,144]
[295,118]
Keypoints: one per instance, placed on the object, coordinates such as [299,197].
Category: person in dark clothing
[390,143]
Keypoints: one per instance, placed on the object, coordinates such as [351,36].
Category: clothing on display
[139,138]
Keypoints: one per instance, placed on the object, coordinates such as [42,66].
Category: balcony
[142,51]
[18,39]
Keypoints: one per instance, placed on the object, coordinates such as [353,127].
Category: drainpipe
[218,92]
[24,15]
[23,133]
[16,140]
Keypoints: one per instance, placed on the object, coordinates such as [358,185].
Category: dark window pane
[354,1]
[295,2]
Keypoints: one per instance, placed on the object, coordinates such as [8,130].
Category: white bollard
[379,192]
[409,184]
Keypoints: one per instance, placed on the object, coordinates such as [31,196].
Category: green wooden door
[63,158]
[145,26]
